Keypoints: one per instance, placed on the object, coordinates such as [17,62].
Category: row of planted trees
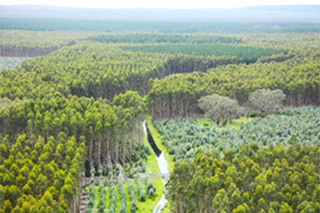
[163,38]
[247,54]
[178,95]
[104,71]
[21,43]
[110,129]
[267,179]
[100,70]
[45,142]
[118,199]
[41,176]
[82,92]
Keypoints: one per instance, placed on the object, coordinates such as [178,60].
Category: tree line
[110,129]
[119,26]
[163,38]
[178,95]
[105,133]
[23,43]
[247,54]
[98,70]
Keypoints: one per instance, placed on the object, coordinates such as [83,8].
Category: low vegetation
[11,62]
[184,137]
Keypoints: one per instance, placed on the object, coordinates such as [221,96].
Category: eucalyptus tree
[266,101]
[220,109]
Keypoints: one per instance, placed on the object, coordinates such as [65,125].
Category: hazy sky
[157,3]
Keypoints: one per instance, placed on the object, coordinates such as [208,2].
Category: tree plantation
[90,108]
[152,26]
[266,179]
[178,95]
[164,38]
[247,54]
[184,137]
[20,43]
[39,175]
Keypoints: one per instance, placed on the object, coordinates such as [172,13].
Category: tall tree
[219,108]
[266,101]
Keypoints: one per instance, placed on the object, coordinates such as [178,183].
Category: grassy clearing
[163,148]
[151,203]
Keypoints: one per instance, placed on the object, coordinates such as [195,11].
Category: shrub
[151,192]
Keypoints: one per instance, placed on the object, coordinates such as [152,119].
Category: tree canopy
[220,109]
[269,179]
[266,101]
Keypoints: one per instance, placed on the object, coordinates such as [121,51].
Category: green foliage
[163,38]
[91,203]
[219,108]
[7,206]
[184,137]
[99,70]
[122,195]
[133,207]
[76,104]
[151,192]
[77,117]
[285,208]
[10,62]
[92,190]
[120,26]
[245,53]
[2,193]
[112,197]
[23,44]
[123,208]
[266,101]
[220,201]
[270,185]
[178,95]
[239,209]
[150,188]
[53,181]
[133,198]
[141,190]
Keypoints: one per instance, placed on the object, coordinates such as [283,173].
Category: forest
[267,179]
[84,103]
[146,26]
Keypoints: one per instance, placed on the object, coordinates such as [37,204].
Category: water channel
[162,163]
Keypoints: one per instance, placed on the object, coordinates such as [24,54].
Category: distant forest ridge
[136,26]
[258,13]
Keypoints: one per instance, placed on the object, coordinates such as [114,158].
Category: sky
[183,4]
